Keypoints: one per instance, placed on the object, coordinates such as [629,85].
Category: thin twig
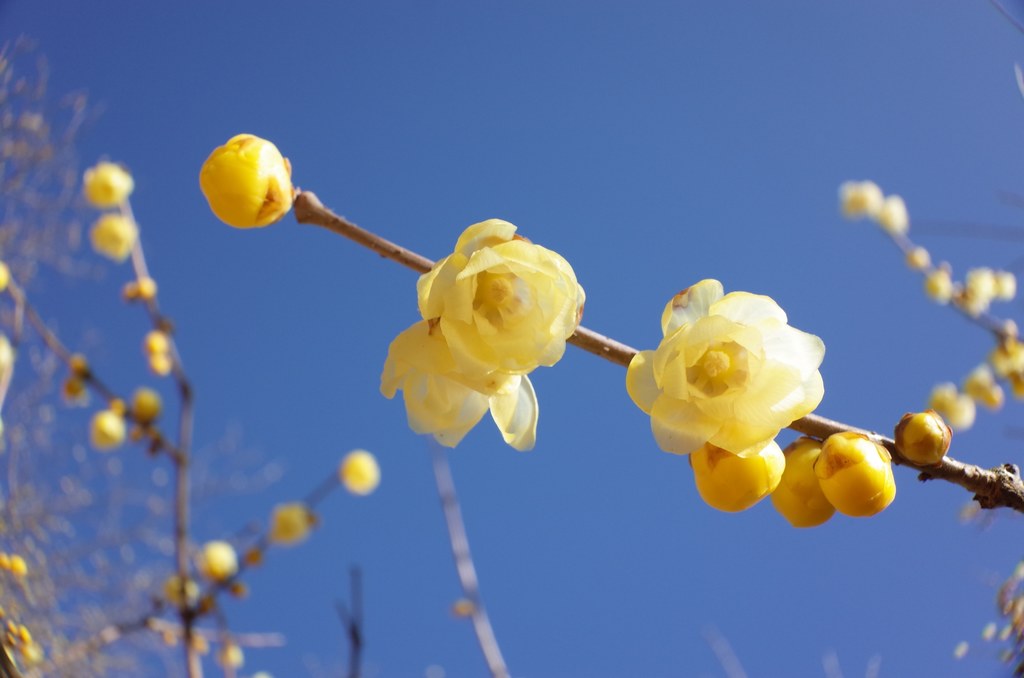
[464,563]
[993,488]
[353,622]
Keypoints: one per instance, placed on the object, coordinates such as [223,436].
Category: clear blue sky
[652,144]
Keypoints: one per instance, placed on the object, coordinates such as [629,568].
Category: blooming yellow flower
[729,482]
[1006,285]
[503,303]
[218,561]
[113,236]
[855,474]
[860,198]
[247,182]
[729,372]
[290,523]
[359,472]
[923,437]
[893,217]
[442,401]
[107,185]
[938,285]
[107,430]
[799,497]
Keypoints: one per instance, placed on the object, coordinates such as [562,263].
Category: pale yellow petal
[433,285]
[484,234]
[788,345]
[640,383]
[747,308]
[515,412]
[680,427]
[690,304]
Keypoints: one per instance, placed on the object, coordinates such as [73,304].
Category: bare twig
[993,488]
[353,622]
[464,563]
[723,651]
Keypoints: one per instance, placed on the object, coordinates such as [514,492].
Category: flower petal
[640,383]
[680,427]
[484,234]
[690,304]
[747,308]
[788,345]
[515,411]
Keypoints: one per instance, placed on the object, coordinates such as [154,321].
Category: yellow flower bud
[161,364]
[290,523]
[918,259]
[247,182]
[113,236]
[1006,285]
[1008,358]
[923,437]
[156,342]
[956,408]
[231,655]
[107,430]
[19,568]
[981,385]
[5,276]
[729,482]
[32,654]
[893,217]
[79,365]
[359,472]
[146,405]
[173,591]
[107,185]
[938,285]
[860,198]
[218,561]
[855,474]
[799,497]
[6,354]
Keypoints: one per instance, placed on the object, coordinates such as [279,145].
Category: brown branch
[464,563]
[993,488]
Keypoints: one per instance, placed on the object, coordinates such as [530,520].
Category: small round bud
[981,385]
[173,591]
[799,497]
[156,342]
[956,408]
[918,259]
[729,482]
[231,656]
[113,236]
[855,474]
[1007,358]
[107,185]
[19,568]
[860,199]
[1006,285]
[359,472]
[107,430]
[463,607]
[146,405]
[146,288]
[938,285]
[79,365]
[161,364]
[247,182]
[218,561]
[290,523]
[923,437]
[893,217]
[5,276]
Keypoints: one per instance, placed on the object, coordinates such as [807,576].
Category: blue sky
[652,144]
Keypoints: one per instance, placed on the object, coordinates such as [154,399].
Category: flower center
[722,367]
[501,299]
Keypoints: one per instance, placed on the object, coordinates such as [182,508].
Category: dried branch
[464,563]
[353,622]
[993,488]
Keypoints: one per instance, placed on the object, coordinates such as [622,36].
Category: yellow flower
[173,591]
[290,523]
[918,259]
[146,405]
[107,185]
[729,482]
[729,372]
[247,182]
[231,655]
[893,217]
[444,402]
[956,408]
[5,276]
[855,474]
[860,198]
[107,430]
[218,561]
[1006,285]
[799,497]
[981,385]
[923,437]
[113,236]
[503,302]
[359,472]
[938,285]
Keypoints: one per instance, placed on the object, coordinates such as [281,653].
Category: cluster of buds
[13,563]
[156,346]
[105,186]
[18,638]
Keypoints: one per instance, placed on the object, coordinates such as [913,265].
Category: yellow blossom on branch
[446,403]
[731,483]
[247,182]
[503,303]
[113,236]
[107,185]
[730,372]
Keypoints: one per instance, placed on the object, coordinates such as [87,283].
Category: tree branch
[993,488]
